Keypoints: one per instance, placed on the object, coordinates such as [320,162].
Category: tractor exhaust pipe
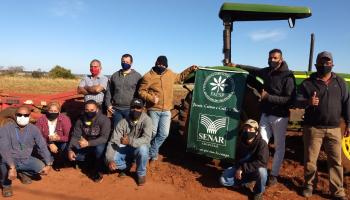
[227,22]
[311,51]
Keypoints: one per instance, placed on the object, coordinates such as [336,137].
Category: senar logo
[218,87]
[212,129]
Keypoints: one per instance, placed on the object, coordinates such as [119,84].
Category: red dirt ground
[178,175]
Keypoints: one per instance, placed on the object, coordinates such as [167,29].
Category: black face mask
[249,135]
[52,115]
[323,69]
[134,114]
[90,115]
[273,65]
[159,69]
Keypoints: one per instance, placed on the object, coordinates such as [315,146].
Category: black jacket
[280,86]
[252,157]
[334,101]
[96,134]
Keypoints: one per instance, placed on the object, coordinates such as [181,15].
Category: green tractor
[249,99]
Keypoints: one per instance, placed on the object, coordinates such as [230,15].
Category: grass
[31,85]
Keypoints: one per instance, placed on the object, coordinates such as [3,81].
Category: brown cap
[324,54]
[252,123]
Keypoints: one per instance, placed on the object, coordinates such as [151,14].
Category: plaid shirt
[89,81]
[62,128]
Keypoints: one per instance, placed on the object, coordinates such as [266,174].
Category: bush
[37,74]
[61,72]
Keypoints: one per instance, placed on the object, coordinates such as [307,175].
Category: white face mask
[22,121]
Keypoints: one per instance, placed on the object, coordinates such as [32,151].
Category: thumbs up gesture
[83,142]
[313,101]
[156,99]
[263,94]
[125,140]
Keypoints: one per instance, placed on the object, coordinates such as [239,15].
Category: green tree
[61,72]
[37,74]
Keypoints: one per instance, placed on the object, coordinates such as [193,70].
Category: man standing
[16,147]
[276,98]
[90,135]
[252,156]
[156,90]
[93,86]
[130,141]
[122,88]
[325,97]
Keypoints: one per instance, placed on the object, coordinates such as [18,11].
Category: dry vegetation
[31,85]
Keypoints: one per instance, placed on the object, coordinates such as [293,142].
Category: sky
[70,33]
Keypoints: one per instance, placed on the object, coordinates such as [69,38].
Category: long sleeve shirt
[11,149]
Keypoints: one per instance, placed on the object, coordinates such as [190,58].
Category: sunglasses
[20,115]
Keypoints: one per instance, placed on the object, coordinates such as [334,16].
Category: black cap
[136,102]
[324,54]
[162,60]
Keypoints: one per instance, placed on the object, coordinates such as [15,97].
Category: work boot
[258,196]
[141,180]
[7,191]
[152,163]
[307,192]
[25,179]
[248,185]
[124,173]
[98,177]
[272,182]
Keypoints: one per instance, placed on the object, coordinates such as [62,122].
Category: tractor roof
[261,12]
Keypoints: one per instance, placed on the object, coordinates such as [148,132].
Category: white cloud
[68,8]
[274,35]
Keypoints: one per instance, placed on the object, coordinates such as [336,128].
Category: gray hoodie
[122,89]
[139,134]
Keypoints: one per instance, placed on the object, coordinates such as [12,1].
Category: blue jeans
[160,130]
[228,178]
[98,151]
[30,169]
[119,115]
[126,155]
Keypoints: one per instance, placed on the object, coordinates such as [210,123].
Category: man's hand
[53,148]
[83,142]
[156,99]
[45,171]
[313,101]
[54,138]
[347,132]
[194,67]
[263,93]
[125,140]
[239,174]
[71,155]
[12,174]
[112,166]
[232,64]
[110,109]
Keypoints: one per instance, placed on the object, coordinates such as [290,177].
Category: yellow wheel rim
[346,147]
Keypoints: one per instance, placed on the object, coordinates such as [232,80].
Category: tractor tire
[7,116]
[345,153]
[250,110]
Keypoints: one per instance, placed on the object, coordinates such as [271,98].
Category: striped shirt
[89,81]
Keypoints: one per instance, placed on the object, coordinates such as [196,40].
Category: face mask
[94,71]
[90,115]
[126,66]
[323,69]
[159,69]
[134,114]
[273,65]
[52,115]
[249,135]
[22,121]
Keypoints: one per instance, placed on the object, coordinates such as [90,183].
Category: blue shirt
[10,148]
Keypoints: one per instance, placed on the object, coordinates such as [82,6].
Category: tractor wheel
[250,110]
[345,155]
[7,116]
